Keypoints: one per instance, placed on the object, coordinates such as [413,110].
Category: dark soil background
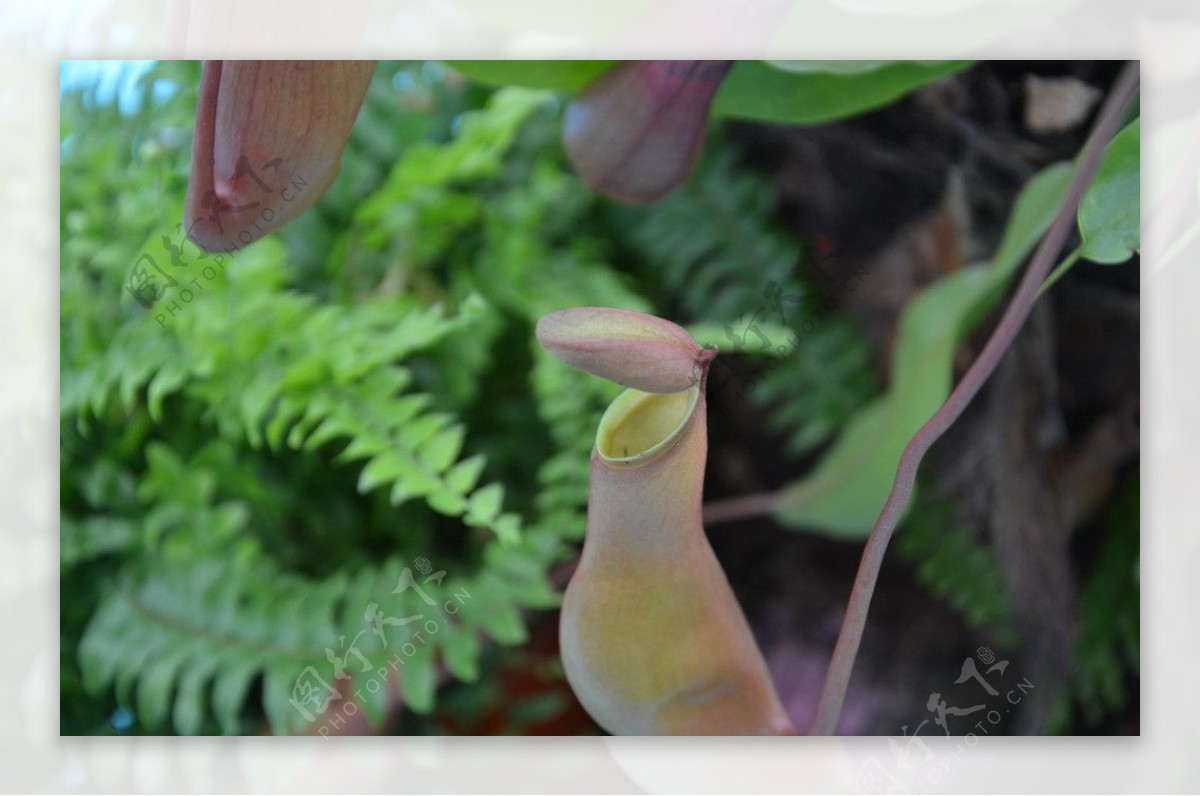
[907,194]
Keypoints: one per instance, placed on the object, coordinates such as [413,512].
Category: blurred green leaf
[1110,213]
[1108,649]
[464,475]
[835,67]
[189,714]
[955,563]
[418,677]
[371,691]
[156,684]
[556,75]
[461,654]
[798,92]
[485,504]
[846,491]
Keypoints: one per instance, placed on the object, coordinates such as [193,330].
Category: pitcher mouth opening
[638,425]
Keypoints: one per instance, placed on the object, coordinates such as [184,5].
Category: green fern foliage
[1107,654]
[249,468]
[955,565]
[713,249]
[190,645]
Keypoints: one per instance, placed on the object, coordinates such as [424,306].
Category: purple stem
[841,665]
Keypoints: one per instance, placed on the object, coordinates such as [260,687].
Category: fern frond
[714,248]
[206,511]
[954,564]
[192,639]
[1108,650]
[432,196]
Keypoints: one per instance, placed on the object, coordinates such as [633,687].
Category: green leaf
[229,692]
[443,448]
[385,468]
[156,684]
[417,677]
[101,648]
[96,536]
[503,621]
[953,563]
[168,380]
[464,475]
[834,67]
[374,703]
[289,409]
[508,528]
[485,504]
[277,691]
[460,653]
[401,492]
[1108,648]
[422,430]
[446,502]
[793,94]
[776,336]
[539,708]
[189,711]
[782,91]
[1110,213]
[256,399]
[843,496]
[366,444]
[557,75]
